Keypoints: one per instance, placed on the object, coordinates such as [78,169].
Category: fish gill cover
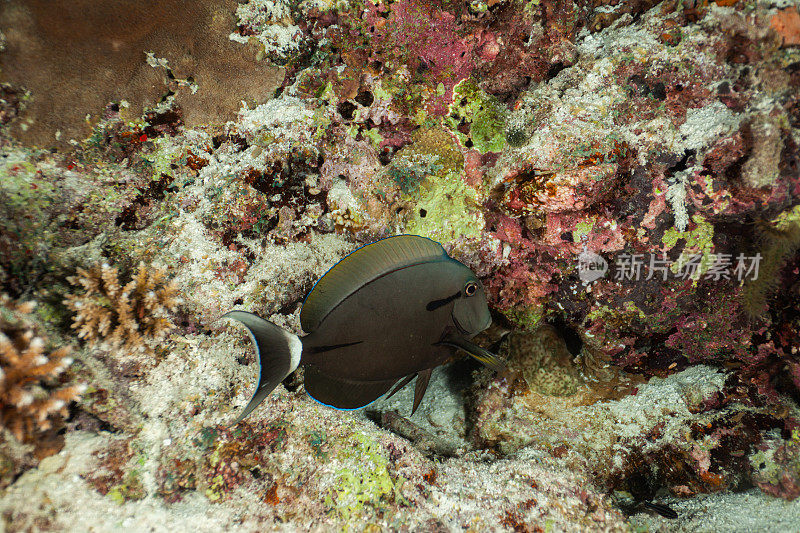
[658,141]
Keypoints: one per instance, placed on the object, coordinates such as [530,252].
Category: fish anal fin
[423,377]
[342,393]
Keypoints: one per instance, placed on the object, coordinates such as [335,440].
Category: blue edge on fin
[342,408]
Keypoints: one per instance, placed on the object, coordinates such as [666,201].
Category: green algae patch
[583,228]
[526,318]
[216,489]
[206,438]
[699,241]
[32,216]
[776,467]
[484,113]
[318,441]
[786,219]
[168,153]
[369,484]
[22,187]
[130,489]
[633,310]
[445,209]
[408,170]
[617,317]
[430,174]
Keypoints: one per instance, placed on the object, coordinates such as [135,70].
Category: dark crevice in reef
[569,334]
[155,191]
[685,162]
[79,419]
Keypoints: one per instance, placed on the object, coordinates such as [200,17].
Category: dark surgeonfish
[389,311]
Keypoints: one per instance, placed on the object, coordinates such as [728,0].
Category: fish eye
[470,288]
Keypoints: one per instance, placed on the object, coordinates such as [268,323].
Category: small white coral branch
[676,196]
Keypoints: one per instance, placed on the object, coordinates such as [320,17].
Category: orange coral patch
[786,23]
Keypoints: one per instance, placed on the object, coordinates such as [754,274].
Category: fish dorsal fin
[362,266]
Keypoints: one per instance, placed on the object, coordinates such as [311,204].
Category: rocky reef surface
[624,177]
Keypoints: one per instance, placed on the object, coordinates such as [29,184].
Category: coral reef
[624,178]
[776,467]
[781,241]
[688,433]
[35,391]
[127,317]
[32,400]
[548,367]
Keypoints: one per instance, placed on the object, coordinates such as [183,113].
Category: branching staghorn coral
[110,314]
[30,401]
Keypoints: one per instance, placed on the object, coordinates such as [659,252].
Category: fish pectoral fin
[330,347]
[423,377]
[481,355]
[401,384]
